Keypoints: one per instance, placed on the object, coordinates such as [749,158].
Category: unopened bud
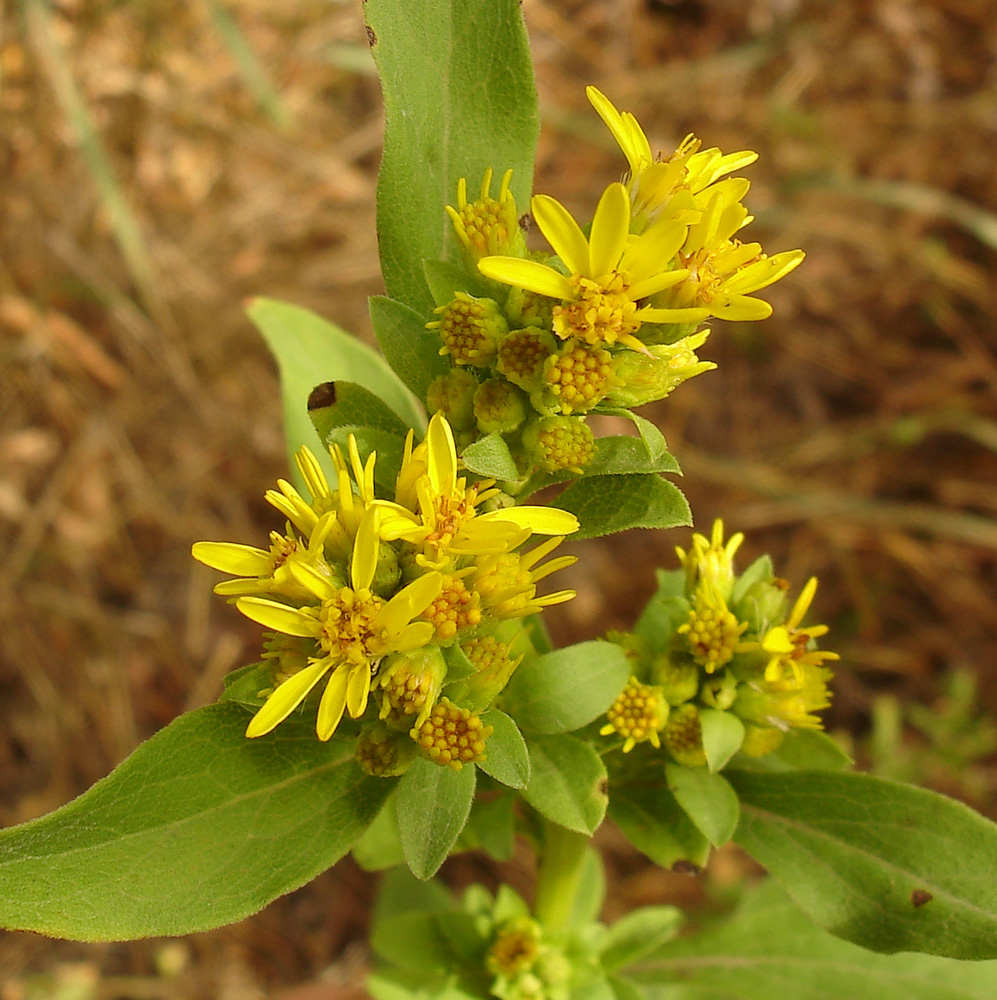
[557,444]
[644,378]
[499,407]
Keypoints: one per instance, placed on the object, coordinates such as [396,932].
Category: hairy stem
[558,876]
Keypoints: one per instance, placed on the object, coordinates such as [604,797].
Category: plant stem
[559,873]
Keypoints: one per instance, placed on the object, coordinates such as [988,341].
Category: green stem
[558,876]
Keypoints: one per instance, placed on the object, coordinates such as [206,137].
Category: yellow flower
[608,273]
[687,186]
[354,628]
[487,226]
[710,561]
[788,702]
[713,632]
[638,715]
[507,581]
[789,644]
[437,511]
[664,186]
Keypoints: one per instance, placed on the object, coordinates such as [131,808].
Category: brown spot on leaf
[371,37]
[920,896]
[322,396]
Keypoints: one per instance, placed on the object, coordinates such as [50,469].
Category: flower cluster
[715,640]
[610,319]
[367,599]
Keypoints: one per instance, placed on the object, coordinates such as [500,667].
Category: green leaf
[888,866]
[446,279]
[199,827]
[401,892]
[624,989]
[769,949]
[412,941]
[412,351]
[310,349]
[637,934]
[490,457]
[619,454]
[708,800]
[606,504]
[507,759]
[381,845]
[566,689]
[491,827]
[653,821]
[459,97]
[243,686]
[566,782]
[660,618]
[723,734]
[348,405]
[760,569]
[433,805]
[800,750]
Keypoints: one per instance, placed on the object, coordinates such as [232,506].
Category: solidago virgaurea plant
[407,702]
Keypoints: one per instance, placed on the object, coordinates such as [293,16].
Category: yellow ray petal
[366,547]
[764,272]
[628,134]
[409,602]
[542,520]
[610,226]
[357,690]
[414,636]
[442,458]
[309,578]
[562,232]
[657,283]
[528,274]
[279,617]
[739,308]
[330,708]
[803,603]
[286,699]
[230,557]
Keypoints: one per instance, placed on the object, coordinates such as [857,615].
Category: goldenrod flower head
[507,581]
[521,356]
[576,378]
[487,226]
[470,329]
[452,736]
[711,561]
[557,444]
[383,752]
[677,678]
[499,407]
[683,736]
[712,631]
[410,683]
[664,185]
[790,701]
[354,628]
[437,512]
[645,377]
[637,715]
[455,609]
[790,644]
[515,948]
[609,271]
[495,665]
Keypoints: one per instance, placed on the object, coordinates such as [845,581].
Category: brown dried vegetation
[854,434]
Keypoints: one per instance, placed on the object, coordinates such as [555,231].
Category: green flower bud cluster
[712,640]
[519,367]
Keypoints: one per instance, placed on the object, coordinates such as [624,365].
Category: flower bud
[557,444]
[683,736]
[499,407]
[452,736]
[521,356]
[453,396]
[677,678]
[470,329]
[410,683]
[644,378]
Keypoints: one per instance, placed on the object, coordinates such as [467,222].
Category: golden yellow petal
[286,699]
[528,274]
[357,690]
[542,520]
[562,232]
[366,547]
[442,457]
[610,226]
[230,557]
[279,617]
[409,602]
[330,708]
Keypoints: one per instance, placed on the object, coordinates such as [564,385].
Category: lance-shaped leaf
[888,866]
[459,98]
[769,949]
[199,827]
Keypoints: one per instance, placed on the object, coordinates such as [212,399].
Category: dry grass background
[154,175]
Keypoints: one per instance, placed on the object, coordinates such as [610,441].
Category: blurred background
[162,162]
